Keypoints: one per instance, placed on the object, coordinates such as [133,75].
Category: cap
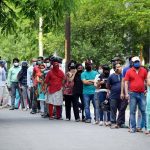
[135,59]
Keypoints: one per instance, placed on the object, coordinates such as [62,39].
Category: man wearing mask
[135,85]
[30,81]
[114,84]
[87,78]
[12,81]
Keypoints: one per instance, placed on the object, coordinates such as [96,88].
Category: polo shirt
[136,79]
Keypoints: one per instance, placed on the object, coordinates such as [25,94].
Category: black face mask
[106,73]
[24,67]
[88,68]
[79,71]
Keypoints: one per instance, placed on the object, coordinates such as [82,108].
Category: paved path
[23,131]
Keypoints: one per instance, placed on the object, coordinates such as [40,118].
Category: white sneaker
[95,122]
[107,123]
[101,123]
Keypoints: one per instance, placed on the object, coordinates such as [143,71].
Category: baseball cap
[135,59]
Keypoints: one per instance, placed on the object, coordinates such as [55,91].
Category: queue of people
[43,87]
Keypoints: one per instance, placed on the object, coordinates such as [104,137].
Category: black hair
[40,57]
[15,59]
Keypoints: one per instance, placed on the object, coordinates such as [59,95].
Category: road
[22,131]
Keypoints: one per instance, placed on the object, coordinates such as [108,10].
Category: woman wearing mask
[22,78]
[54,82]
[78,89]
[68,92]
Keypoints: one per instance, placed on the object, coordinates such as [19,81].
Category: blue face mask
[136,65]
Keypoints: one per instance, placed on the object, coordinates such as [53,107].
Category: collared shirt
[29,76]
[136,79]
[12,75]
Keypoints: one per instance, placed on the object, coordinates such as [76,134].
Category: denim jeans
[137,99]
[14,87]
[87,98]
[100,97]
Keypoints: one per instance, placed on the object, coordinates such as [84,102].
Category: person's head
[88,65]
[116,60]
[71,65]
[106,70]
[1,63]
[24,65]
[34,61]
[100,69]
[79,68]
[42,67]
[40,60]
[16,62]
[47,62]
[130,61]
[136,62]
[117,68]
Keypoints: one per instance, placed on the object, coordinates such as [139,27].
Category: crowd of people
[43,87]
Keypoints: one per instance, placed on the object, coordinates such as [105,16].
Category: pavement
[22,131]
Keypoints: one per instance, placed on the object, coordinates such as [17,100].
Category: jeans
[137,99]
[120,105]
[100,97]
[87,98]
[14,87]
[24,95]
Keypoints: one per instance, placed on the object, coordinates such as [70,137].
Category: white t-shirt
[2,77]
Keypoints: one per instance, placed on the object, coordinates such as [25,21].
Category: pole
[67,41]
[40,37]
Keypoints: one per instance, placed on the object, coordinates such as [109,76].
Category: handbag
[105,106]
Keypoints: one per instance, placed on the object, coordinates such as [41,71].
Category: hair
[115,64]
[15,59]
[40,57]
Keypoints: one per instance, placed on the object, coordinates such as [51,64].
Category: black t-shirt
[78,85]
[105,78]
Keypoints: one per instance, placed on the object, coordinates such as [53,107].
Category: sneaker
[88,121]
[32,112]
[114,126]
[107,123]
[12,108]
[101,123]
[95,122]
[67,119]
[78,120]
[51,118]
[132,131]
[123,126]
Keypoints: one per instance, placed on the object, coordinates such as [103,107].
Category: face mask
[79,71]
[100,71]
[42,70]
[48,64]
[39,62]
[34,63]
[88,68]
[136,65]
[16,64]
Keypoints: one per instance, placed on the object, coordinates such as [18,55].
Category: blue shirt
[114,81]
[88,75]
[125,71]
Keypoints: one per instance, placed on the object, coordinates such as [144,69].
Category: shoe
[88,121]
[51,118]
[32,112]
[114,126]
[139,130]
[67,119]
[107,123]
[132,131]
[101,123]
[95,122]
[78,120]
[12,108]
[123,126]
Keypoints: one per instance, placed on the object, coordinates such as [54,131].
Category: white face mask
[16,64]
[48,64]
[34,63]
